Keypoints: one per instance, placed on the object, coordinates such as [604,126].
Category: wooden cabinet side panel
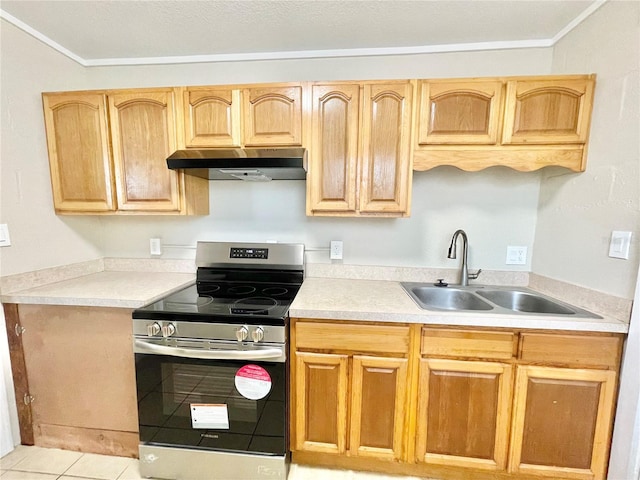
[144,135]
[19,372]
[386,150]
[321,402]
[334,154]
[79,153]
[81,367]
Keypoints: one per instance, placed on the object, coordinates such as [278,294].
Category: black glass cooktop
[234,303]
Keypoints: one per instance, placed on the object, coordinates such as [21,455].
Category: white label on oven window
[253,382]
[207,415]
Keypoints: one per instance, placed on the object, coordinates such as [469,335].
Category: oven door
[222,404]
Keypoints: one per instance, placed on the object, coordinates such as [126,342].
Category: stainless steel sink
[490,299]
[521,301]
[447,298]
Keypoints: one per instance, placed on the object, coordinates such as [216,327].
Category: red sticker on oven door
[253,382]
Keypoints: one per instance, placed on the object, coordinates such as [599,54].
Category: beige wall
[39,238]
[577,213]
[496,207]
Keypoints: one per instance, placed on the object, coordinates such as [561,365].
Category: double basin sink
[490,299]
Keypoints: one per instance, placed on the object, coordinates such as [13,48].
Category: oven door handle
[145,347]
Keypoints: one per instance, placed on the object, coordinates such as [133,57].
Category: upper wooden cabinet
[116,162]
[525,123]
[79,152]
[459,112]
[272,115]
[547,111]
[360,159]
[143,136]
[211,117]
[234,116]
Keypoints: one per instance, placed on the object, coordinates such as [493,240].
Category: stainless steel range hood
[249,164]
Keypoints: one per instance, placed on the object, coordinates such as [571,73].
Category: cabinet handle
[19,329]
[28,399]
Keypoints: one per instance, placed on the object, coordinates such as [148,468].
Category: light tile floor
[37,463]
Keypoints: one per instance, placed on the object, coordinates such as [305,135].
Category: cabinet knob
[257,335]
[168,330]
[242,333]
[19,329]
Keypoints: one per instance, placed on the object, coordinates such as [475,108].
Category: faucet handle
[473,276]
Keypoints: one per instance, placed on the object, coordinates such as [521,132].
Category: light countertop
[104,289]
[386,301]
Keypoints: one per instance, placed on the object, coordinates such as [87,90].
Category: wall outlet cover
[619,245]
[5,240]
[336,250]
[155,246]
[516,255]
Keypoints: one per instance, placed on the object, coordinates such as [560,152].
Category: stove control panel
[253,253]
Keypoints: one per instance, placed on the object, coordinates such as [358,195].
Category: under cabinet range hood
[249,164]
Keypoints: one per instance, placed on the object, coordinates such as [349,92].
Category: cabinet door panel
[548,111]
[212,117]
[562,421]
[463,413]
[79,156]
[143,130]
[377,406]
[272,116]
[386,155]
[334,152]
[459,112]
[321,409]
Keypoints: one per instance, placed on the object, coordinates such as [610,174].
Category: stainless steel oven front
[211,399]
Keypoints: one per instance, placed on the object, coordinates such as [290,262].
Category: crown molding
[305,54]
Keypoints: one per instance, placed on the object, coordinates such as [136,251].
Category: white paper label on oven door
[206,415]
[253,382]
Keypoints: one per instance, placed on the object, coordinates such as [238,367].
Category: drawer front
[353,337]
[572,350]
[467,343]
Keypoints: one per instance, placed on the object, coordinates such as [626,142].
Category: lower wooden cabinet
[561,423]
[346,403]
[453,403]
[463,413]
[321,402]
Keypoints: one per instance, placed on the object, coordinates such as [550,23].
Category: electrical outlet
[155,246]
[336,250]
[516,255]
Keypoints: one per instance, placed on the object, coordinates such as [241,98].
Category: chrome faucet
[465,276]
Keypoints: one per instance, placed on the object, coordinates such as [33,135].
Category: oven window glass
[169,386]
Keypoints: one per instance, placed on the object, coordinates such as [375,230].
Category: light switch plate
[619,245]
[155,246]
[5,240]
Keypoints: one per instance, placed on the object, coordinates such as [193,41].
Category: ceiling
[120,32]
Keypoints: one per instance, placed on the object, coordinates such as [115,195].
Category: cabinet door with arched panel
[459,112]
[272,115]
[211,117]
[548,111]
